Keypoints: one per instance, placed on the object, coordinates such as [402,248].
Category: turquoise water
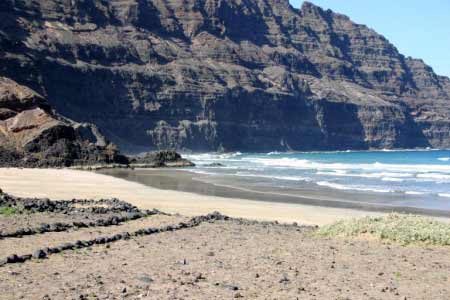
[411,178]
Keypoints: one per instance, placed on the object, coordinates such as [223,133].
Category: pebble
[39,254]
[284,279]
[231,287]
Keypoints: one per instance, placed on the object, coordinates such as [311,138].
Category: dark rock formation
[31,135]
[114,212]
[222,75]
[165,158]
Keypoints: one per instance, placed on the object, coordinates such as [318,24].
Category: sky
[418,28]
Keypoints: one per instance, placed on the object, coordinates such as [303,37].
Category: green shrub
[7,211]
[405,229]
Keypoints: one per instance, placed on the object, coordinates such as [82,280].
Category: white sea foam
[356,175]
[307,164]
[391,174]
[212,156]
[428,149]
[392,179]
[366,175]
[354,188]
[197,171]
[333,185]
[436,176]
[289,178]
[334,173]
[273,153]
[414,193]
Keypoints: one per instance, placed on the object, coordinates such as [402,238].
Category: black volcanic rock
[165,158]
[222,75]
[31,135]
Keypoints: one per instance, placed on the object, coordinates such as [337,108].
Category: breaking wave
[377,166]
[444,158]
[354,188]
[402,175]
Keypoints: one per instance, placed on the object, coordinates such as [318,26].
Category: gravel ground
[28,244]
[13,222]
[231,260]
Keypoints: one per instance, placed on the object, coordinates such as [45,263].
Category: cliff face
[249,75]
[32,135]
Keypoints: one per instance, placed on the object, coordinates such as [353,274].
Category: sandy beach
[59,184]
[109,249]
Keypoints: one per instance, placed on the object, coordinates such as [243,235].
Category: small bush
[8,211]
[405,229]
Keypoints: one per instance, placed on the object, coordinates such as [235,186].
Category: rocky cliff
[32,135]
[249,75]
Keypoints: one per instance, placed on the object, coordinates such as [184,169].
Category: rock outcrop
[159,159]
[32,135]
[222,75]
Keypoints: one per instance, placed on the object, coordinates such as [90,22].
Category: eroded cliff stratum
[251,75]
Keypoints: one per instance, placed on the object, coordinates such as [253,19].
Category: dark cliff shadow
[240,24]
[149,17]
[20,66]
[411,134]
[342,128]
[260,121]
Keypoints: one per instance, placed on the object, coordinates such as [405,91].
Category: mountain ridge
[208,75]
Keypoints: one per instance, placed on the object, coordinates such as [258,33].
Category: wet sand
[67,184]
[231,187]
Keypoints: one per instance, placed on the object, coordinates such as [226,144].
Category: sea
[414,178]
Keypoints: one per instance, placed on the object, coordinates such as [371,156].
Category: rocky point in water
[158,159]
[223,75]
[33,135]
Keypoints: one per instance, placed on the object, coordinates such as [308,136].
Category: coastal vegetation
[7,211]
[400,228]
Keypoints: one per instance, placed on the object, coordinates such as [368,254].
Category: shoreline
[186,181]
[64,184]
[59,184]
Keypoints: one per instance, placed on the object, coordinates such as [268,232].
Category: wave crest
[348,187]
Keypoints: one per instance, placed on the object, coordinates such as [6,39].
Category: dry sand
[67,184]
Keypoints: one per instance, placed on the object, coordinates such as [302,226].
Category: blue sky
[418,28]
